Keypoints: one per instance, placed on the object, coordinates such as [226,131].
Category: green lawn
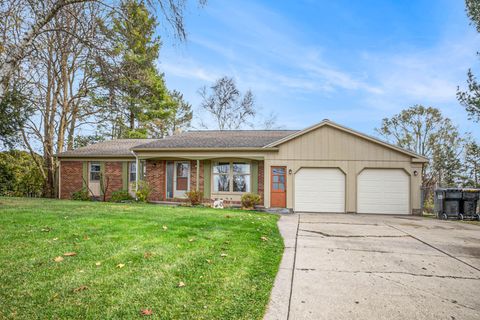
[226,259]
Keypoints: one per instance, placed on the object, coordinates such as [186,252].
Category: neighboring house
[324,168]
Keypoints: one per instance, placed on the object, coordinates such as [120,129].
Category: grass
[227,268]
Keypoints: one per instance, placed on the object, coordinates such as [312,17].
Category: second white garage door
[319,190]
[383,191]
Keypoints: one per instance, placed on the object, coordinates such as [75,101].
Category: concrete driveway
[339,266]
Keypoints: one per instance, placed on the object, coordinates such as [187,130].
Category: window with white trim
[94,171]
[231,176]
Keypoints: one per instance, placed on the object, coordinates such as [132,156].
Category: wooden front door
[278,189]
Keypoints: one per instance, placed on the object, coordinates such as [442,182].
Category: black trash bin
[470,201]
[457,203]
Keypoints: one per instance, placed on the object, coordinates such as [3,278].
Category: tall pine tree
[133,90]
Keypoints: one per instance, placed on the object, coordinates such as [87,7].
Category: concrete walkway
[338,266]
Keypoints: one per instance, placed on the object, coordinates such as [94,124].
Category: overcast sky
[353,62]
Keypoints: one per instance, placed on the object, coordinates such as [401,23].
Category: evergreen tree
[180,119]
[132,87]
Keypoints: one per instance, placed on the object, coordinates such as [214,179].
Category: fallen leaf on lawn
[70,254]
[208,260]
[81,271]
[55,239]
[165,227]
[223,255]
[147,255]
[58,259]
[55,296]
[181,284]
[85,237]
[46,229]
[81,288]
[98,263]
[191,240]
[264,238]
[120,265]
[146,312]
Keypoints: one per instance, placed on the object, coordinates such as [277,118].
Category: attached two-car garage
[379,191]
[331,168]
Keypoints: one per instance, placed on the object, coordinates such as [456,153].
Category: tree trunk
[132,119]
[71,129]
[62,126]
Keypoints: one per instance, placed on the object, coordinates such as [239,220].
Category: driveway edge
[279,305]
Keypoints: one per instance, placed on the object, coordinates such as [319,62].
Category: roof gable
[332,124]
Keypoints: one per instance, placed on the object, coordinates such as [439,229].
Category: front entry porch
[217,178]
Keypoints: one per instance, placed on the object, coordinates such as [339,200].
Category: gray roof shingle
[190,139]
[219,139]
[116,147]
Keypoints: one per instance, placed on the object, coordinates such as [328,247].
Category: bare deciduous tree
[24,21]
[226,105]
[58,76]
[48,49]
[425,131]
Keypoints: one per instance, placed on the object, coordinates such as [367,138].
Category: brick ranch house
[324,168]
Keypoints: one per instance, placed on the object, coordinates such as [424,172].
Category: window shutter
[254,177]
[141,165]
[85,174]
[207,176]
[125,175]
[102,177]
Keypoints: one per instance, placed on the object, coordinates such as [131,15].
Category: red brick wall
[193,175]
[70,178]
[113,172]
[261,178]
[155,177]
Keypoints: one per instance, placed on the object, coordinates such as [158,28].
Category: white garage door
[319,190]
[383,191]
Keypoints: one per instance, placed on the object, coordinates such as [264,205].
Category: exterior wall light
[415,173]
[289,171]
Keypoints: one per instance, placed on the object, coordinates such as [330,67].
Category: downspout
[198,175]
